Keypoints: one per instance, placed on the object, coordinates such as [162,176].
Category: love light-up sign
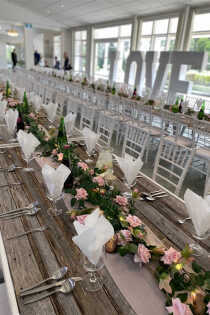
[156,70]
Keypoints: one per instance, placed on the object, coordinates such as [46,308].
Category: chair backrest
[61,100]
[105,128]
[87,117]
[172,163]
[135,142]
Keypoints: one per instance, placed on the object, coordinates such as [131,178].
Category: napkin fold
[91,139]
[129,167]
[199,210]
[69,122]
[11,117]
[55,178]
[3,106]
[28,142]
[104,160]
[51,110]
[37,101]
[93,235]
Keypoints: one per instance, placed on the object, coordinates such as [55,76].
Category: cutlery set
[11,168]
[31,209]
[64,286]
[153,195]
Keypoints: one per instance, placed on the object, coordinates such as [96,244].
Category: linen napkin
[104,160]
[28,142]
[91,139]
[11,117]
[3,106]
[93,235]
[129,167]
[199,210]
[1,96]
[51,110]
[55,178]
[69,122]
[37,101]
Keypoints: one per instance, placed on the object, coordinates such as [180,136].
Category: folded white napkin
[11,117]
[199,210]
[55,178]
[91,139]
[1,96]
[3,106]
[129,167]
[104,160]
[51,110]
[69,122]
[37,101]
[93,235]
[21,92]
[28,142]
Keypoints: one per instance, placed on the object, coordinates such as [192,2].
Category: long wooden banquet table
[126,289]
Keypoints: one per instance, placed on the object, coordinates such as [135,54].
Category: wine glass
[54,198]
[28,158]
[197,249]
[92,282]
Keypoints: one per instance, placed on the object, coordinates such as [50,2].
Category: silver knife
[47,287]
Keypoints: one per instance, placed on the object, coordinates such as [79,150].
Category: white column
[48,48]
[28,42]
[89,56]
[184,29]
[3,58]
[134,35]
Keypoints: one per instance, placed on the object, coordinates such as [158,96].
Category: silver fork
[40,229]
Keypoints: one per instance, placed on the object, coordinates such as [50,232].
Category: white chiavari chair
[106,125]
[87,117]
[172,164]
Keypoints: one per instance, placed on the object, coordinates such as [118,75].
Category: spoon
[15,211]
[11,168]
[30,212]
[57,275]
[66,288]
[182,221]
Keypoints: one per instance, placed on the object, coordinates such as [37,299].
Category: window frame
[80,55]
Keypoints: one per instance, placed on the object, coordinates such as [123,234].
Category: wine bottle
[134,93]
[8,90]
[201,113]
[175,107]
[25,104]
[70,179]
[180,105]
[113,90]
[62,138]
[20,122]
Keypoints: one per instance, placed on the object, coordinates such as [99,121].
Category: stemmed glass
[28,159]
[197,249]
[54,198]
[92,282]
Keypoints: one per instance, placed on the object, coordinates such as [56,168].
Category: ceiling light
[12,33]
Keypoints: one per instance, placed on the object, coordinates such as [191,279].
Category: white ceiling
[67,13]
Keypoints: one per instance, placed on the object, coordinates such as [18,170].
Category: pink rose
[143,254]
[66,146]
[83,166]
[32,115]
[208,311]
[122,201]
[27,127]
[91,172]
[60,156]
[54,152]
[179,308]
[133,220]
[171,256]
[81,194]
[81,218]
[99,180]
[124,237]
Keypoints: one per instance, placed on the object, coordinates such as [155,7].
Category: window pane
[80,64]
[173,25]
[81,35]
[145,43]
[160,43]
[201,43]
[125,30]
[80,48]
[108,32]
[124,49]
[171,43]
[201,22]
[147,28]
[102,63]
[161,26]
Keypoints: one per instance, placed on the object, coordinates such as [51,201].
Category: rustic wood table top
[35,257]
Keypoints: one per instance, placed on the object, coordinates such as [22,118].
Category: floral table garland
[185,283]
